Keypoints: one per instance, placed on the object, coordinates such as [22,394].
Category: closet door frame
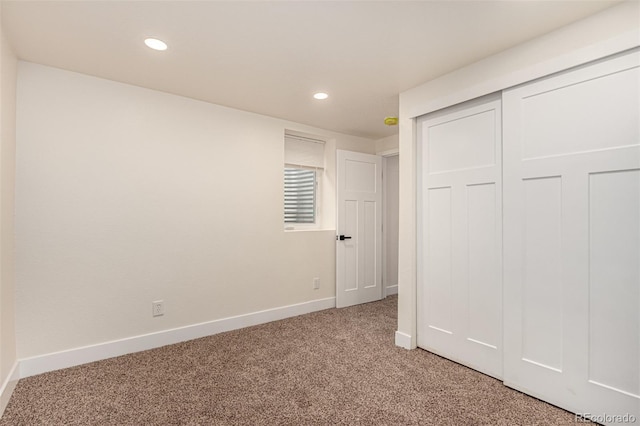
[570,384]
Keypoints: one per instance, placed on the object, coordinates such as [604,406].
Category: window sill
[309,230]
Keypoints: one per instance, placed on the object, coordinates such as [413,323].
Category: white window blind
[304,160]
[303,152]
[299,195]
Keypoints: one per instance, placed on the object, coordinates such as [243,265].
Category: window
[303,169]
[299,195]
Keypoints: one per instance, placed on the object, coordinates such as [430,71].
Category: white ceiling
[269,57]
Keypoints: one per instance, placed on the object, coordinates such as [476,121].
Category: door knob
[343,237]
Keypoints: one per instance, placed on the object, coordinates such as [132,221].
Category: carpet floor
[334,367]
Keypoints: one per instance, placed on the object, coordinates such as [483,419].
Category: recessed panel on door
[350,249]
[542,319]
[439,268]
[360,176]
[462,142]
[484,292]
[614,280]
[369,243]
[578,112]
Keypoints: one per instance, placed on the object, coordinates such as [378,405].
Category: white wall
[608,32]
[126,195]
[7,175]
[390,143]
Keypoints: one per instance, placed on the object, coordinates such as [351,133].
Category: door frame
[385,236]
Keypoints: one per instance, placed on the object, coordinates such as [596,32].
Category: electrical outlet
[316,283]
[157,308]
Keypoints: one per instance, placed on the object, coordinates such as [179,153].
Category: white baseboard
[69,358]
[8,386]
[391,290]
[403,340]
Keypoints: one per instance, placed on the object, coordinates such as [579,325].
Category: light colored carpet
[335,367]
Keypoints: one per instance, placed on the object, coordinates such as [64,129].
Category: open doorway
[390,206]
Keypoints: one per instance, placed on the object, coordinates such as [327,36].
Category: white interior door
[572,238]
[359,240]
[460,290]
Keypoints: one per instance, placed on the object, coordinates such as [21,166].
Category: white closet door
[572,238]
[460,291]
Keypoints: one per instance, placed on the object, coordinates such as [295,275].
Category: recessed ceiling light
[321,96]
[155,44]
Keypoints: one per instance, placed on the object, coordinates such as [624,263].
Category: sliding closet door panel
[460,291]
[572,237]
